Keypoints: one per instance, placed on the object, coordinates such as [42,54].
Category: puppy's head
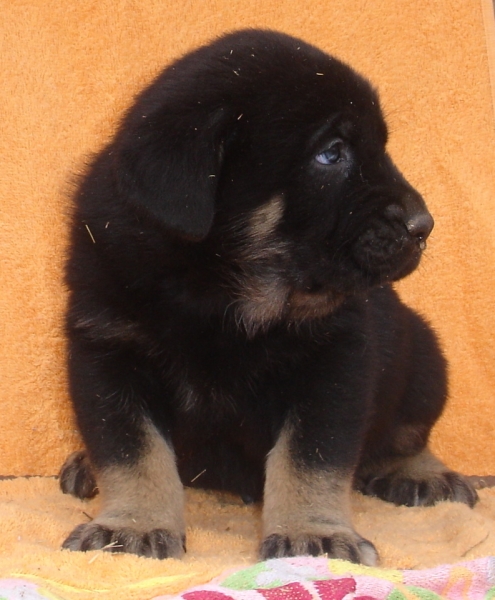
[270,155]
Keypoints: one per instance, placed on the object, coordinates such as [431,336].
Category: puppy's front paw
[344,545]
[76,476]
[401,489]
[157,543]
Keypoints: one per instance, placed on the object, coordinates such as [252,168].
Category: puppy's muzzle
[391,245]
[414,215]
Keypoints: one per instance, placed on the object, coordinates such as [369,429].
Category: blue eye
[331,156]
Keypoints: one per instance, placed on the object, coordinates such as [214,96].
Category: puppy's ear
[168,165]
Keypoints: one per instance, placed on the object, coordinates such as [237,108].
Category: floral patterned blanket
[304,578]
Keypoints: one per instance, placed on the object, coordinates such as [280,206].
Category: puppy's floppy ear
[168,164]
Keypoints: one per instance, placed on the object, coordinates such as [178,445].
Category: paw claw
[76,476]
[343,545]
[157,543]
[403,490]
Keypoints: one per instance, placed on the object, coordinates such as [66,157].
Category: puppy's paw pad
[76,476]
[346,546]
[157,543]
[407,491]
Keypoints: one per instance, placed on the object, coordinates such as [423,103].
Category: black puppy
[232,323]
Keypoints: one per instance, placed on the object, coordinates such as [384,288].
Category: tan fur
[306,506]
[264,301]
[422,466]
[146,496]
[263,290]
[300,502]
[265,294]
[303,305]
[265,220]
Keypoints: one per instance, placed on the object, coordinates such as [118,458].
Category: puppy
[232,322]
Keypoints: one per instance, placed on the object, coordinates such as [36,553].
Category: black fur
[232,257]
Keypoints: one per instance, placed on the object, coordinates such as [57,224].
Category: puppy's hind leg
[76,476]
[397,465]
[417,480]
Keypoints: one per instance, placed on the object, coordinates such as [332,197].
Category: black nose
[420,225]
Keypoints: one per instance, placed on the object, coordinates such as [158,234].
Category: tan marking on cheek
[266,218]
[262,289]
[301,501]
[266,296]
[145,496]
[261,242]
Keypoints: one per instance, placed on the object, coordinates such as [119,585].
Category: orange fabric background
[70,68]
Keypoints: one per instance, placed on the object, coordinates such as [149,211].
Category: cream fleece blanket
[70,68]
[222,534]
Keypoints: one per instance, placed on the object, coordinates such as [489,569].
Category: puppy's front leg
[306,506]
[142,505]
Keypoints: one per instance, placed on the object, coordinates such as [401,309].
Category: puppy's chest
[229,379]
[197,395]
[221,391]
